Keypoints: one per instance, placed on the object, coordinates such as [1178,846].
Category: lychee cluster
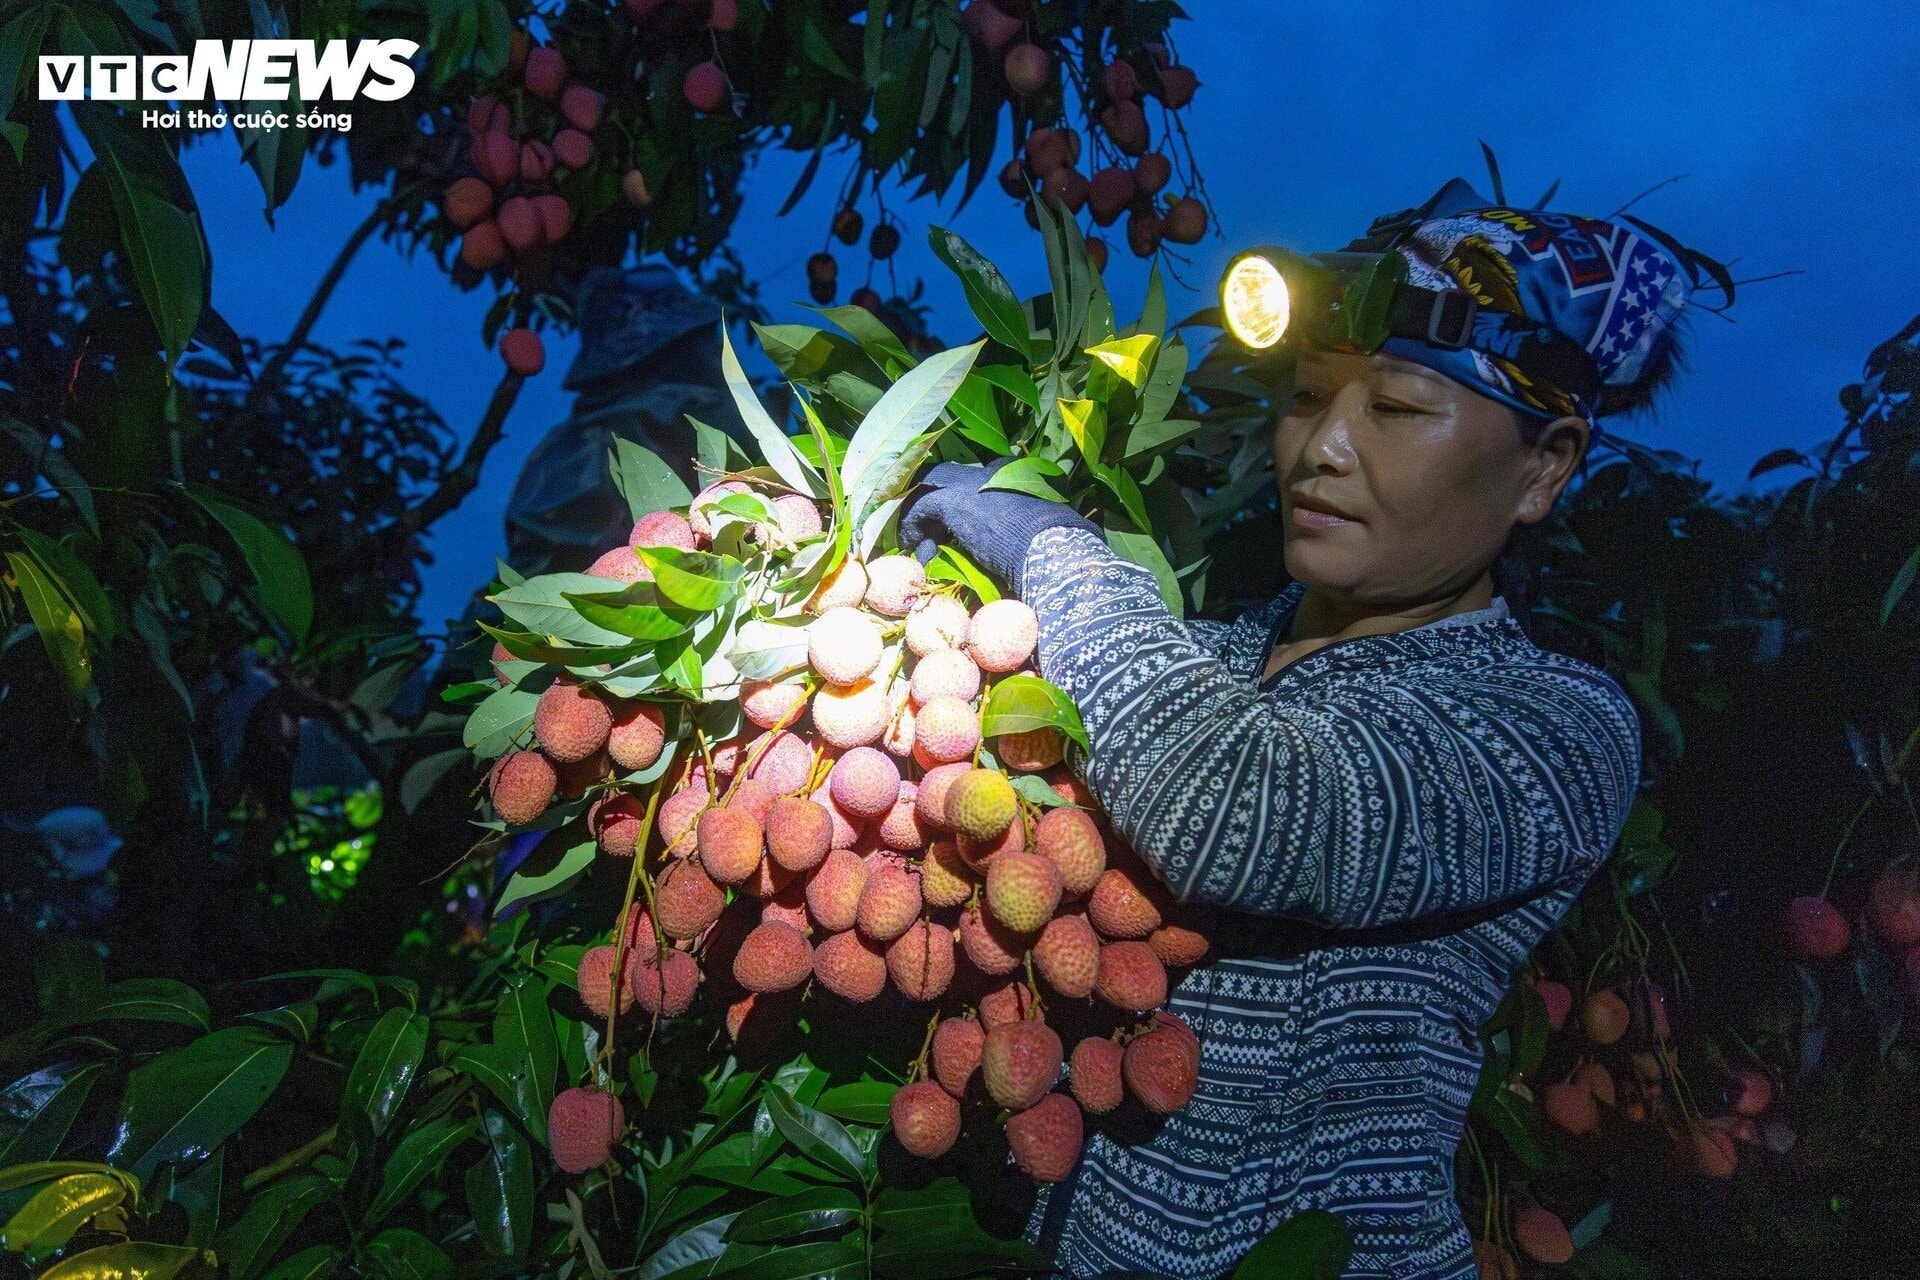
[859,843]
[523,142]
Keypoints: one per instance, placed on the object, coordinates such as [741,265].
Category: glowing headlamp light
[1336,302]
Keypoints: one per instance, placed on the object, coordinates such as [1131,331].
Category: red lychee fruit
[620,564]
[920,961]
[1597,1081]
[521,787]
[865,782]
[615,819]
[705,87]
[1815,929]
[1159,1070]
[1143,234]
[930,800]
[1028,69]
[724,15]
[1755,1092]
[594,980]
[573,780]
[1067,954]
[956,1053]
[1714,1153]
[556,217]
[981,804]
[1001,635]
[1185,222]
[946,673]
[662,529]
[467,201]
[774,957]
[990,25]
[485,114]
[1570,1108]
[1020,1062]
[979,854]
[900,828]
[936,623]
[844,645]
[1131,978]
[1151,173]
[945,878]
[545,72]
[1118,81]
[945,731]
[1178,946]
[570,721]
[1557,998]
[1093,1074]
[1542,1236]
[851,967]
[572,148]
[799,833]
[582,1126]
[1022,890]
[1120,907]
[1176,1026]
[678,813]
[889,902]
[636,735]
[1894,905]
[1097,253]
[1176,86]
[1070,839]
[686,900]
[1046,1138]
[730,843]
[1605,1017]
[1126,127]
[536,162]
[497,157]
[582,106]
[663,984]
[846,586]
[846,827]
[926,1119]
[990,946]
[523,353]
[854,715]
[833,895]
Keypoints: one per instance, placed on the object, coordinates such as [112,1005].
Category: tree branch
[465,476]
[270,373]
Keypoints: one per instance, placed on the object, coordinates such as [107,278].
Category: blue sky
[1794,124]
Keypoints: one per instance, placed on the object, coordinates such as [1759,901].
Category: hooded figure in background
[649,358]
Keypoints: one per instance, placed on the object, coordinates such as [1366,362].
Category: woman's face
[1399,486]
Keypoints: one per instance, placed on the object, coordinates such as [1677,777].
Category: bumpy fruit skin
[1120,907]
[991,947]
[1067,954]
[865,782]
[920,961]
[582,106]
[931,798]
[1027,68]
[467,201]
[1131,977]
[846,827]
[769,705]
[572,780]
[851,716]
[582,1126]
[570,721]
[897,740]
[1570,1108]
[956,1053]
[889,902]
[979,854]
[851,967]
[833,895]
[686,900]
[662,529]
[678,813]
[1815,929]
[638,733]
[782,761]
[1032,750]
[545,72]
[926,1119]
[483,247]
[1542,1236]
[1022,890]
[981,804]
[1070,839]
[1159,1071]
[799,833]
[844,587]
[1046,1138]
[945,673]
[899,828]
[775,957]
[1093,1074]
[795,518]
[1605,1017]
[664,985]
[936,623]
[594,980]
[945,730]
[844,646]
[521,787]
[1019,1062]
[615,820]
[945,878]
[730,844]
[1175,1025]
[1006,1004]
[1002,634]
[895,584]
[697,517]
[1178,946]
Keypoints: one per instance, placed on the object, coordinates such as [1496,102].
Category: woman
[1385,790]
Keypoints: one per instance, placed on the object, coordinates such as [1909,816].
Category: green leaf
[644,479]
[164,243]
[1087,423]
[1012,380]
[634,612]
[187,1101]
[1022,702]
[500,1190]
[82,589]
[1027,475]
[951,565]
[819,1209]
[276,155]
[51,1216]
[907,410]
[1149,436]
[775,447]
[1898,587]
[537,886]
[41,455]
[821,1260]
[861,1102]
[1034,790]
[500,722]
[272,1216]
[880,343]
[37,1110]
[135,1258]
[1315,1245]
[989,296]
[697,580]
[385,1067]
[26,1175]
[818,1137]
[698,1244]
[1131,358]
[767,650]
[276,565]
[313,1263]
[528,1050]
[145,1000]
[977,418]
[419,1155]
[424,774]
[1163,384]
[400,1254]
[61,631]
[1143,550]
[542,607]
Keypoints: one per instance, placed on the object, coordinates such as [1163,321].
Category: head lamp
[1337,302]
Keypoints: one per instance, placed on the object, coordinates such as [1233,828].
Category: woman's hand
[994,527]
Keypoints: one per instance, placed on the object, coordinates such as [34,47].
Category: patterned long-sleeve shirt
[1380,833]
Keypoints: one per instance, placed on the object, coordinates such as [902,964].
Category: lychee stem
[1033,987]
[919,1067]
[634,879]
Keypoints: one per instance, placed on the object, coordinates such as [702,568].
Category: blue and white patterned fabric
[1381,833]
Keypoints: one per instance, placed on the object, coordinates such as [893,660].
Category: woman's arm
[1379,804]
